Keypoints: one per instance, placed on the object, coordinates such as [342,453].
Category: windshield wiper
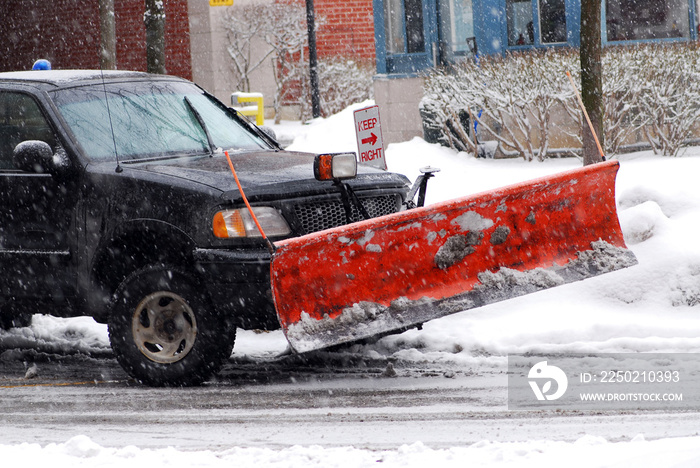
[198,116]
[254,128]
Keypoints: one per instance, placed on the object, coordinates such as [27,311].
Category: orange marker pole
[588,119]
[270,245]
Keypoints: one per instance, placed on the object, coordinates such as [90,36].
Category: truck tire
[164,330]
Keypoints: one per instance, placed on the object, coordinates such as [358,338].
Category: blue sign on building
[412,35]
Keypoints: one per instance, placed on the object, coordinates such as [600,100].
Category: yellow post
[257,109]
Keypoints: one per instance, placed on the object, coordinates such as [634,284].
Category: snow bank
[335,134]
[55,335]
[588,451]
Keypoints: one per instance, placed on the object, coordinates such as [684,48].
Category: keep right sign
[369,137]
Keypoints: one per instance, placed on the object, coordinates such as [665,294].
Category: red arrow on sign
[371,139]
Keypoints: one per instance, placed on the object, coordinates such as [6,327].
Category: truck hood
[263,175]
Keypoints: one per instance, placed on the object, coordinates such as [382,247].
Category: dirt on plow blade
[387,274]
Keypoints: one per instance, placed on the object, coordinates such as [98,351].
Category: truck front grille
[318,216]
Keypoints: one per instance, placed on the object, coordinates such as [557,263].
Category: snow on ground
[651,307]
[588,451]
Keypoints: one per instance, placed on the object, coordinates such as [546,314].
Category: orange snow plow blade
[388,274]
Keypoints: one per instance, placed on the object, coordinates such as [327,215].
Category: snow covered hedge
[342,82]
[524,101]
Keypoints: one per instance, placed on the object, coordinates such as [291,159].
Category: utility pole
[592,78]
[313,60]
[154,19]
[108,38]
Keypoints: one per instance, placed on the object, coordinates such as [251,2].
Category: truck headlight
[337,166]
[238,223]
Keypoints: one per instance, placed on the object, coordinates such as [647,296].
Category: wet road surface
[328,399]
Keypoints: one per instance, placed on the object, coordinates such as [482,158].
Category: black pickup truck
[117,202]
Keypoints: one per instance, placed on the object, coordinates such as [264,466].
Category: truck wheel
[164,331]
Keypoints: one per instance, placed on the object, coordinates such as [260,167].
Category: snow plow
[388,274]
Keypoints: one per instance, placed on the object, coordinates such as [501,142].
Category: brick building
[67,33]
[348,29]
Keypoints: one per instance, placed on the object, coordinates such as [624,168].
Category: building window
[456,29]
[393,26]
[552,21]
[519,22]
[631,20]
[413,10]
[404,26]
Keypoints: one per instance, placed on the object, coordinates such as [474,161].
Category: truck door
[37,221]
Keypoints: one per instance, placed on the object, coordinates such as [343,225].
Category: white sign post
[369,137]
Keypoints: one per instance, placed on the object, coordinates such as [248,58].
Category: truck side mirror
[33,156]
[268,131]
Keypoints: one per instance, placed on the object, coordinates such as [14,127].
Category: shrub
[511,98]
[342,82]
[669,103]
[651,87]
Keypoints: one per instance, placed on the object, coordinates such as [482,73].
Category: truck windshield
[149,119]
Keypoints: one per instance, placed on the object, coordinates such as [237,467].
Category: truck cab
[118,203]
